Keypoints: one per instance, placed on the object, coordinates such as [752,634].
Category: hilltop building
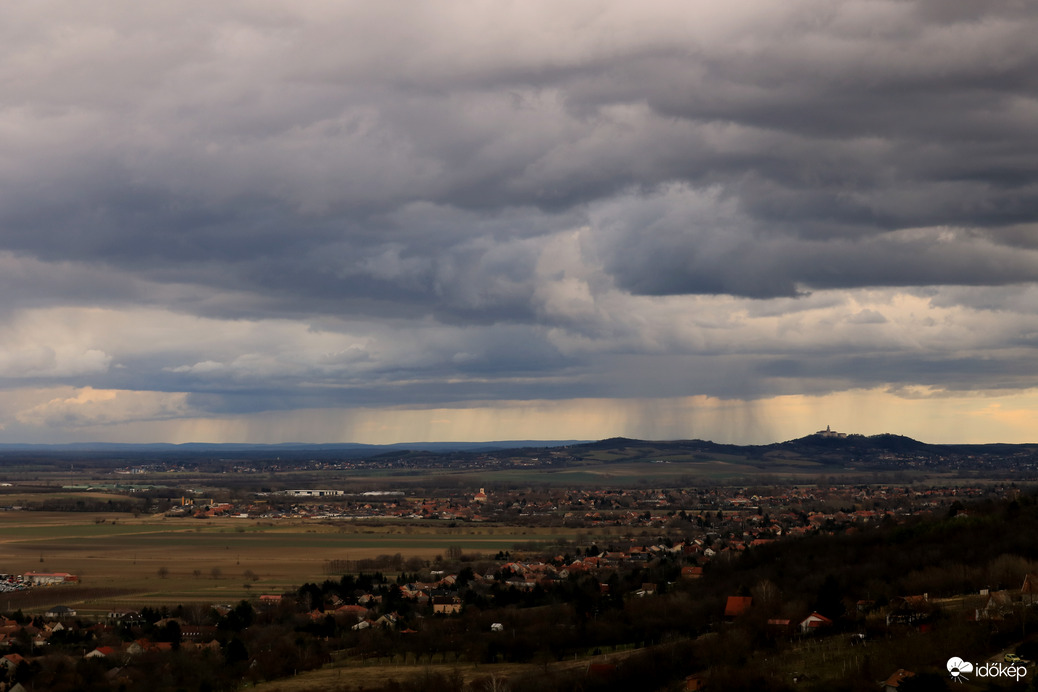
[830,433]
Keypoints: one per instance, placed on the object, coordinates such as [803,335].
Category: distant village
[749,512]
[717,524]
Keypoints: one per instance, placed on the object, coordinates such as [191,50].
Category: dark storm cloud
[465,201]
[949,373]
[672,256]
[819,123]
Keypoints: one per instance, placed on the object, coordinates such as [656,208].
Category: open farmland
[159,560]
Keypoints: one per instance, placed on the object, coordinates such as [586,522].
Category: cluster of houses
[916,611]
[38,636]
[776,511]
[814,623]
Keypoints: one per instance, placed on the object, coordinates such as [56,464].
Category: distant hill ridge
[820,439]
[817,444]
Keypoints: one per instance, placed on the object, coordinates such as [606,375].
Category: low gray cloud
[536,200]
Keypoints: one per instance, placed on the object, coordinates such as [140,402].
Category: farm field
[126,562]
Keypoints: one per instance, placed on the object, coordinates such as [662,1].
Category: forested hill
[828,449]
[819,443]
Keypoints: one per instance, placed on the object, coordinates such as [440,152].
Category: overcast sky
[264,221]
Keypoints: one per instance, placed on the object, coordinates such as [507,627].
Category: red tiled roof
[737,605]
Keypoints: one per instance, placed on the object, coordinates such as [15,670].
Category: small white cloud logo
[956,666]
